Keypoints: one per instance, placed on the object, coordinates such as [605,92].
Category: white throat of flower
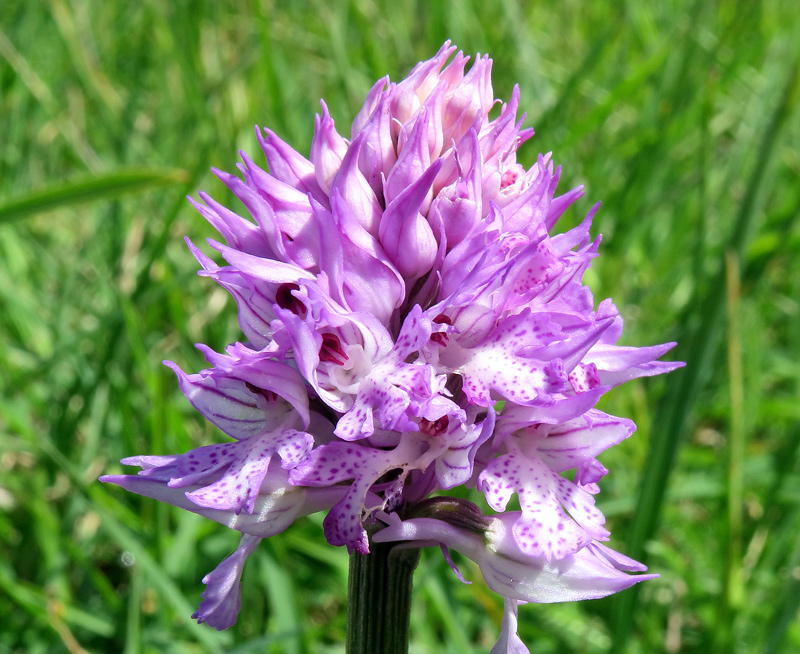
[347,376]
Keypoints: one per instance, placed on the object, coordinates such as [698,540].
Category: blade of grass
[733,293]
[733,581]
[89,189]
[133,626]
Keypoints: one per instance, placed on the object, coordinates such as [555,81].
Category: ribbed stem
[379,599]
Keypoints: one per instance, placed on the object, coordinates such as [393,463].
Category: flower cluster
[412,324]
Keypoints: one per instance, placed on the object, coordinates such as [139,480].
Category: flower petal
[543,528]
[289,166]
[572,443]
[509,641]
[328,149]
[222,598]
[272,512]
[617,365]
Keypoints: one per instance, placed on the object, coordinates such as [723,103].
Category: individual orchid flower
[519,576]
[412,322]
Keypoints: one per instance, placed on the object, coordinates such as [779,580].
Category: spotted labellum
[413,322]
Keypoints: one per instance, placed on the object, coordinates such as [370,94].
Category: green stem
[379,599]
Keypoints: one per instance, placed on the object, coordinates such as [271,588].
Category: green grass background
[682,117]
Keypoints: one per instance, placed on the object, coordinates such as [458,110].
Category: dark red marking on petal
[285,299]
[269,396]
[331,349]
[435,427]
[441,337]
[509,177]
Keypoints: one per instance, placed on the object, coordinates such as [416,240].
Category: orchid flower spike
[395,289]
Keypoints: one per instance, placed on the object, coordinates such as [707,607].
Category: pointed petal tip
[174,367]
[637,578]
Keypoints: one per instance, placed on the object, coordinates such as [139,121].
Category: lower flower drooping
[413,323]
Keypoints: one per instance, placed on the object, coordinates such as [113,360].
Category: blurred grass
[682,117]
